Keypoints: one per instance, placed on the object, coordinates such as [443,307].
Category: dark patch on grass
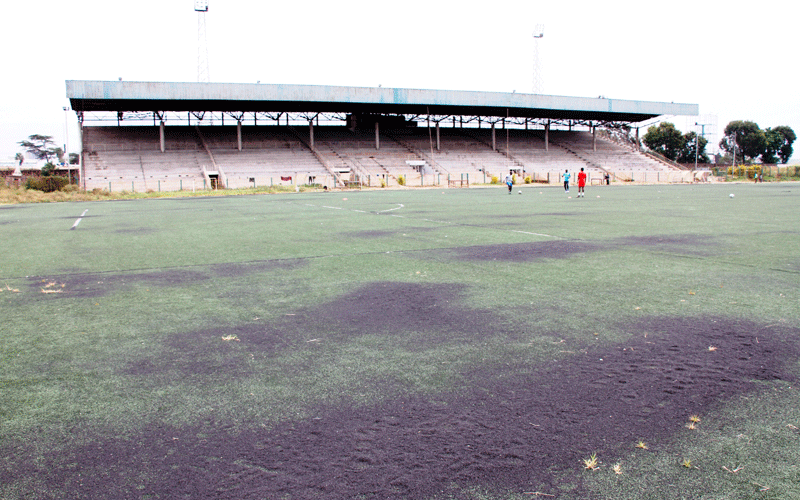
[432,310]
[99,285]
[370,234]
[681,243]
[413,316]
[560,249]
[511,429]
[235,269]
[522,252]
[386,234]
[138,231]
[536,214]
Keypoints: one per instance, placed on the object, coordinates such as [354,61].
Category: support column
[594,138]
[547,136]
[239,134]
[438,141]
[638,144]
[494,141]
[161,138]
[311,133]
[377,135]
[83,169]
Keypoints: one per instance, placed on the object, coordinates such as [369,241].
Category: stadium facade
[220,117]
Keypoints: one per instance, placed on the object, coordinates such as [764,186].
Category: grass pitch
[233,320]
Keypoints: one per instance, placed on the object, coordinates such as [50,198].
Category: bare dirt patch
[522,252]
[507,428]
[412,316]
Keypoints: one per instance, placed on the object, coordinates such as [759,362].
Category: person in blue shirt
[566,181]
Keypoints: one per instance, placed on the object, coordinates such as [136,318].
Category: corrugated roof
[174,96]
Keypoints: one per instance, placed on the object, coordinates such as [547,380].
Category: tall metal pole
[538,34]
[66,141]
[201,7]
[697,141]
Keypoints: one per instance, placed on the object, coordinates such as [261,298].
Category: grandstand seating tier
[132,154]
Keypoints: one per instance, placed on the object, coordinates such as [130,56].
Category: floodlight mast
[201,7]
[538,34]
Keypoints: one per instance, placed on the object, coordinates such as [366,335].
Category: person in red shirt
[581,183]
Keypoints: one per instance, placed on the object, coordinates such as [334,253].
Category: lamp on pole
[697,141]
[538,34]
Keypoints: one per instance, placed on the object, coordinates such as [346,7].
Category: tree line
[743,141]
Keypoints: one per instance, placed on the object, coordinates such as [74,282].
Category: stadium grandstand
[162,136]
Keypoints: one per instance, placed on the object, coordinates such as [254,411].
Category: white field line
[395,208]
[79,219]
[538,234]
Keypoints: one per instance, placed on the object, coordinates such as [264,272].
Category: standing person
[509,182]
[566,181]
[581,183]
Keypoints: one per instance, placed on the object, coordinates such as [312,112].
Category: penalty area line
[79,219]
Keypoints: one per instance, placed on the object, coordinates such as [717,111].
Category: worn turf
[404,344]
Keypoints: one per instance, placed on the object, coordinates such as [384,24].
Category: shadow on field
[510,428]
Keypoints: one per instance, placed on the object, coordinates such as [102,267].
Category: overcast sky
[735,59]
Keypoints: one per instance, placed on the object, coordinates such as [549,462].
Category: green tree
[779,142]
[665,140]
[744,139]
[41,147]
[774,143]
[693,144]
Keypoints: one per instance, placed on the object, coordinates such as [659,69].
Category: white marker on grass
[79,219]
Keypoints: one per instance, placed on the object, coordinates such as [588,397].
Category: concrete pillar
[377,135]
[438,142]
[311,133]
[638,144]
[239,134]
[594,138]
[82,160]
[494,141]
[547,136]
[161,138]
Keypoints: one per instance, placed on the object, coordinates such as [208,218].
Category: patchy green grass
[156,311]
